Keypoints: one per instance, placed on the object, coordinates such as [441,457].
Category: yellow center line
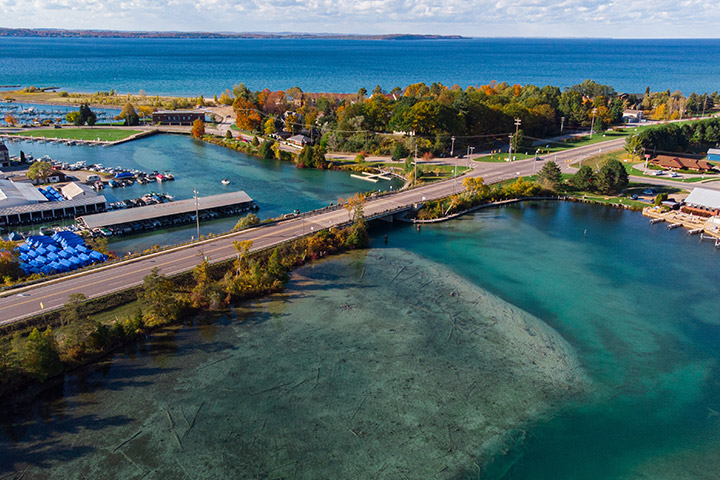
[61,292]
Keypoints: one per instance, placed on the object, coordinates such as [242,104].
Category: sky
[474,18]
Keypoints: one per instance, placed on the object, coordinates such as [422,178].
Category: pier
[166,214]
[371,177]
[694,224]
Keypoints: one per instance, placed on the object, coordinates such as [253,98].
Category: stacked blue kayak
[63,252]
[51,194]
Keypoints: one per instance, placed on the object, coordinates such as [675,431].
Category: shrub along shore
[54,343]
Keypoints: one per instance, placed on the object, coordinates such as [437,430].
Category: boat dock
[371,177]
[162,215]
[694,224]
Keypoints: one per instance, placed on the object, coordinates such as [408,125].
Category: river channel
[277,187]
[536,341]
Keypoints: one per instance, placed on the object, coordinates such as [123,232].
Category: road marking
[405,198]
[145,268]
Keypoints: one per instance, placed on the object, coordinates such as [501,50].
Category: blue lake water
[25,113]
[277,187]
[193,67]
[537,341]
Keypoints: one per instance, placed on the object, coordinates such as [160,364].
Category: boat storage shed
[162,210]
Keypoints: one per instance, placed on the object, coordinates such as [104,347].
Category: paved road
[21,303]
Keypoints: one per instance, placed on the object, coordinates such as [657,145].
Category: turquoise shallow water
[545,340]
[277,187]
[637,302]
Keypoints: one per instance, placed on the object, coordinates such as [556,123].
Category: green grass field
[598,160]
[555,147]
[104,134]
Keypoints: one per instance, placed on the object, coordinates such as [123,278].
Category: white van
[92,178]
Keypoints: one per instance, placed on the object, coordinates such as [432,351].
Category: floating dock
[371,177]
[167,214]
[692,223]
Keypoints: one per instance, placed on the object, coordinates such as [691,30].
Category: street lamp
[592,125]
[452,146]
[197,213]
[536,159]
[472,150]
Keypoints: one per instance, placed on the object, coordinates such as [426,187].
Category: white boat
[225,181]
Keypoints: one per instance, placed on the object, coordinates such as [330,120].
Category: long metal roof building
[160,210]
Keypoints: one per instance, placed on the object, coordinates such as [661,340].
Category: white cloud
[669,18]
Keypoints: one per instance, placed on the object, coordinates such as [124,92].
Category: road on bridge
[20,303]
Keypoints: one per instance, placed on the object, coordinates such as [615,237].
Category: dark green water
[538,341]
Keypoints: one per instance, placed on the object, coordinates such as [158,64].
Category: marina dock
[694,224]
[170,214]
[372,177]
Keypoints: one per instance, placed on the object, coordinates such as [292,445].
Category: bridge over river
[24,302]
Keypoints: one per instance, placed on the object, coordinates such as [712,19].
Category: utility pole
[452,148]
[197,213]
[517,126]
[592,125]
[415,175]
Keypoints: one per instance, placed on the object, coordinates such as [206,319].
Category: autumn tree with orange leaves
[248,117]
[198,128]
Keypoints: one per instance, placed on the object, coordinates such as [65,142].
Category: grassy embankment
[92,134]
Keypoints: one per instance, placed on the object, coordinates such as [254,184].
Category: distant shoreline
[62,33]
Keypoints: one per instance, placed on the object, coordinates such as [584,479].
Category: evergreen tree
[584,179]
[550,175]
[612,177]
[318,155]
[266,150]
[40,356]
[399,152]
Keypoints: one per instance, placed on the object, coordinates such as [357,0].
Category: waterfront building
[23,204]
[4,156]
[703,202]
[177,117]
